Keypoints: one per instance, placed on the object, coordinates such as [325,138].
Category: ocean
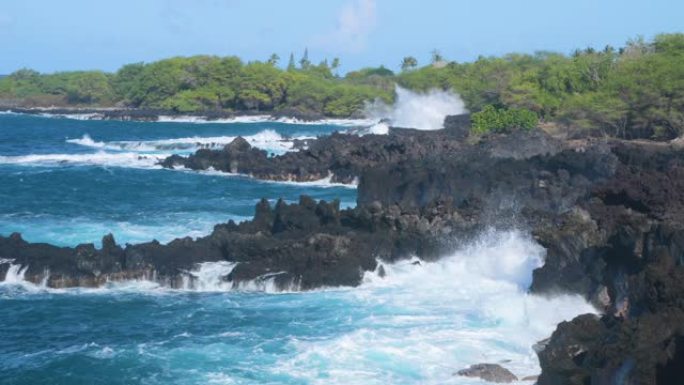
[68,181]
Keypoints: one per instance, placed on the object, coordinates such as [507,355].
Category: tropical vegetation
[633,91]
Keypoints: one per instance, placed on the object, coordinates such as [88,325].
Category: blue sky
[50,35]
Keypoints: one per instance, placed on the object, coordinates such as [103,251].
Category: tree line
[633,91]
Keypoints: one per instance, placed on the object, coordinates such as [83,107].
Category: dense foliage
[635,91]
[492,119]
[200,83]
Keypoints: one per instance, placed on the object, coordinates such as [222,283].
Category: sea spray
[15,274]
[209,276]
[429,319]
[423,111]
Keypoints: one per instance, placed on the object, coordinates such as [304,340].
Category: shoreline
[160,115]
[608,212]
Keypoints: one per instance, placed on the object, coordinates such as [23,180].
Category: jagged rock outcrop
[625,252]
[343,156]
[304,246]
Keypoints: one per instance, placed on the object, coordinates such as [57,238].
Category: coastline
[160,115]
[607,211]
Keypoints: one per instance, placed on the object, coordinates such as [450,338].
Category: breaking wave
[208,277]
[422,111]
[431,319]
[121,159]
[268,140]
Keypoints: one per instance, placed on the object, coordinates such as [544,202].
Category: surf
[418,322]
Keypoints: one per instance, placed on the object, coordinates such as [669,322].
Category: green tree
[273,59]
[436,56]
[291,63]
[304,62]
[335,65]
[409,63]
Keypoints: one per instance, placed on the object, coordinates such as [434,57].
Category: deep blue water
[67,181]
[55,190]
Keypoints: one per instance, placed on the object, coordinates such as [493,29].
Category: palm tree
[409,62]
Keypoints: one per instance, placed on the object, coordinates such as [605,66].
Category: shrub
[492,119]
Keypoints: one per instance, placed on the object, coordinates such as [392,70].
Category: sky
[49,35]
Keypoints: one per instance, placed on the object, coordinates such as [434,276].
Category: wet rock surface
[489,372]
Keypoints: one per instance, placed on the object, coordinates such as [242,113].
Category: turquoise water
[55,189]
[67,181]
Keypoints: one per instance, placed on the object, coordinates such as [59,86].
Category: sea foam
[101,158]
[427,320]
[269,140]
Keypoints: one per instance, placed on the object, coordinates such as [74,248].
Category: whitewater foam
[422,111]
[15,274]
[209,277]
[268,140]
[101,158]
[380,128]
[431,319]
[323,182]
[267,283]
[200,119]
[76,116]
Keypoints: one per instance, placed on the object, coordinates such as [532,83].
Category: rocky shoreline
[609,212]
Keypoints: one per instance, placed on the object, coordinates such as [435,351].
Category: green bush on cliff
[500,120]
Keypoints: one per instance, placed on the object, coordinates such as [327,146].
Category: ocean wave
[144,161]
[206,277]
[83,116]
[430,319]
[122,159]
[268,140]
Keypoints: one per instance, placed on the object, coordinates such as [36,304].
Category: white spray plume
[423,111]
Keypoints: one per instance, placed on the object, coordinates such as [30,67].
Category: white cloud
[355,22]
